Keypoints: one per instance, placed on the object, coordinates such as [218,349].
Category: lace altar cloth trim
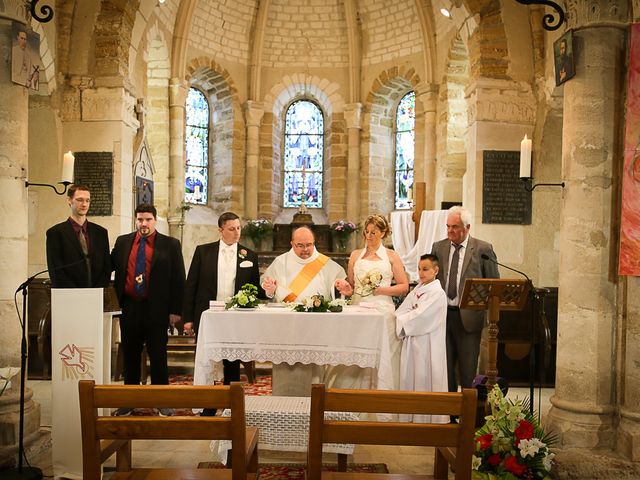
[283,424]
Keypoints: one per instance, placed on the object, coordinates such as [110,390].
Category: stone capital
[427,95]
[597,13]
[353,115]
[178,90]
[504,101]
[253,113]
[109,104]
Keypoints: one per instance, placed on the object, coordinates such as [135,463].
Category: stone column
[14,104]
[253,112]
[428,97]
[584,405]
[178,90]
[353,119]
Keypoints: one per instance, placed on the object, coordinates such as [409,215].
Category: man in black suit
[149,283]
[218,271]
[78,250]
[460,258]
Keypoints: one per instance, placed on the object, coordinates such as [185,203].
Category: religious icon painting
[144,191]
[563,57]
[25,56]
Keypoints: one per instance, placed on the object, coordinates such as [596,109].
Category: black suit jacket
[63,248]
[202,281]
[166,276]
[473,266]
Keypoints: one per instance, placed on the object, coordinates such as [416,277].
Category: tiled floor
[189,453]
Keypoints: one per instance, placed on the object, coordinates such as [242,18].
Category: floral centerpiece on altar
[317,303]
[366,285]
[247,297]
[341,230]
[257,230]
[511,444]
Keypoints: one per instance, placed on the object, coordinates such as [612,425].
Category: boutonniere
[242,253]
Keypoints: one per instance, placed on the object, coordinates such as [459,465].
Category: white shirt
[463,249]
[227,264]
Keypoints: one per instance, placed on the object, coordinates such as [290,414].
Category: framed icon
[563,56]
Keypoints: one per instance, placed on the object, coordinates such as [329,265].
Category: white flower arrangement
[366,285]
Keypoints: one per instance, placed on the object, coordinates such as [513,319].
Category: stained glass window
[405,136]
[196,178]
[303,154]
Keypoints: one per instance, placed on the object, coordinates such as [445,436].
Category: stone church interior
[525,113]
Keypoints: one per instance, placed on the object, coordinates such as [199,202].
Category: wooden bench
[102,436]
[458,435]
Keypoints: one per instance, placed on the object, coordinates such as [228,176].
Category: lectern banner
[77,352]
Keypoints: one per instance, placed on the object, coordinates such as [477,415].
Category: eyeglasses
[303,246]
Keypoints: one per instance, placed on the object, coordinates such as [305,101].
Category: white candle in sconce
[197,192]
[525,157]
[68,162]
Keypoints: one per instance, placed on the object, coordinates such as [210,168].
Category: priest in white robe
[293,276]
[421,323]
[302,271]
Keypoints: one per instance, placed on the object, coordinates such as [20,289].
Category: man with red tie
[149,282]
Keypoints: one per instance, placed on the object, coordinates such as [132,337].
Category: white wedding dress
[356,377]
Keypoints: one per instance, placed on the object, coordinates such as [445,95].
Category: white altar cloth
[283,425]
[356,336]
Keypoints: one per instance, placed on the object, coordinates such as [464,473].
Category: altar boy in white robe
[421,323]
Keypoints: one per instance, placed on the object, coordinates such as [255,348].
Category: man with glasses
[293,276]
[302,271]
[78,250]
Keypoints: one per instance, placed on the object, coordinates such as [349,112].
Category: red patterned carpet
[262,386]
[295,471]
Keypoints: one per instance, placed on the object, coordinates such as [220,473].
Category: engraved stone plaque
[95,170]
[504,199]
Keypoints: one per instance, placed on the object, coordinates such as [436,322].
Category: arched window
[405,141]
[196,178]
[303,154]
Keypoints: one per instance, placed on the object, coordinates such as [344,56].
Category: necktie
[452,287]
[140,284]
[228,256]
[85,251]
[83,243]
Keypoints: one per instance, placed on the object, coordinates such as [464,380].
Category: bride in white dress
[370,275]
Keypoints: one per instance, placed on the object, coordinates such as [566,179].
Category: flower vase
[266,244]
[340,242]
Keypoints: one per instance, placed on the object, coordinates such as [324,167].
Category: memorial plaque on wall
[504,199]
[95,170]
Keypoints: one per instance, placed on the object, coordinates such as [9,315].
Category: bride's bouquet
[366,285]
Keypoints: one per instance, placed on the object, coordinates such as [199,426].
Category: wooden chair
[457,435]
[102,436]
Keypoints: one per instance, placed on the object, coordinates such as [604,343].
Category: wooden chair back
[457,435]
[104,435]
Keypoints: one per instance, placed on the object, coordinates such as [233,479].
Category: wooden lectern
[494,294]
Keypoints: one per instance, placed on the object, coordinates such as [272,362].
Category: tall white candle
[67,167]
[525,157]
[196,193]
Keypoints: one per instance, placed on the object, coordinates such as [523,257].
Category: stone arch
[377,168]
[226,135]
[452,124]
[326,94]
[156,124]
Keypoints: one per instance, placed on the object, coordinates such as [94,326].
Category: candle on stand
[525,157]
[67,167]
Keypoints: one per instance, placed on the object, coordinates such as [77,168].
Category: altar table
[355,336]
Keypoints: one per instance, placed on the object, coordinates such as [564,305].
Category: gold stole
[304,277]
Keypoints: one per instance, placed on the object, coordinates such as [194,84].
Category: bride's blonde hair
[379,222]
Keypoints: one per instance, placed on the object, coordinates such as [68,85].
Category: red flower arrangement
[511,444]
